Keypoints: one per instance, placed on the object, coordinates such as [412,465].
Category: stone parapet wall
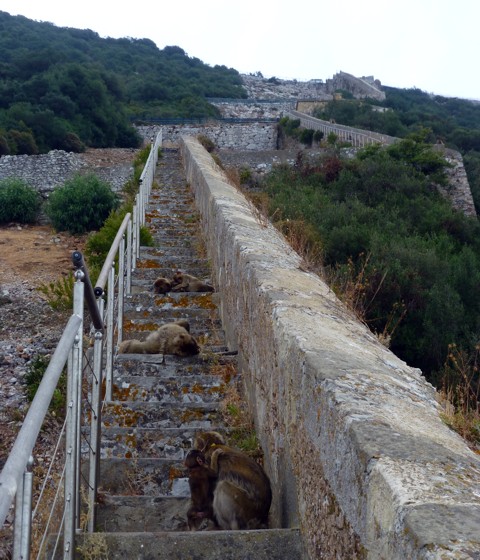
[354,444]
[356,136]
[251,136]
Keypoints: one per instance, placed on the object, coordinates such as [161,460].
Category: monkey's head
[185,345]
[205,440]
[162,286]
[177,278]
[194,459]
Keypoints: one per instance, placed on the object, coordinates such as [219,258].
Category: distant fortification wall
[458,189]
[358,455]
[358,87]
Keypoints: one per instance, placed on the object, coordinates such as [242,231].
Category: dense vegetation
[453,121]
[407,262]
[65,88]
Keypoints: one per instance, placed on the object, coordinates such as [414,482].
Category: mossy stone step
[189,300]
[184,390]
[142,513]
[133,442]
[143,476]
[216,361]
[194,416]
[268,544]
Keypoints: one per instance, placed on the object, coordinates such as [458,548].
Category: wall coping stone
[354,444]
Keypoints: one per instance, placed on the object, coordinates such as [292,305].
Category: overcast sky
[433,45]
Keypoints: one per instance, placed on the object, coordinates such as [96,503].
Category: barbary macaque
[201,479]
[242,495]
[182,282]
[162,285]
[171,338]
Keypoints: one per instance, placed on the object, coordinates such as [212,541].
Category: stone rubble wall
[248,136]
[354,443]
[46,171]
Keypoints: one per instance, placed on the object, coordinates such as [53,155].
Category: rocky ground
[32,256]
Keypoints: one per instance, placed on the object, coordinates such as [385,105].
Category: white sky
[433,45]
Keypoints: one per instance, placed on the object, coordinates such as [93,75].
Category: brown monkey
[182,282]
[171,338]
[242,495]
[162,285]
[201,479]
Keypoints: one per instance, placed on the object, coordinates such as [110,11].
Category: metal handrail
[22,449]
[109,260]
[16,476]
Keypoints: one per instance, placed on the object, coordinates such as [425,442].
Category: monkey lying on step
[182,282]
[242,495]
[171,338]
[162,285]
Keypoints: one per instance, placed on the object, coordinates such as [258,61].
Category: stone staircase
[157,409]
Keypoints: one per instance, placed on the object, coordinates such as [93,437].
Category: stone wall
[354,444]
[358,87]
[46,171]
[248,136]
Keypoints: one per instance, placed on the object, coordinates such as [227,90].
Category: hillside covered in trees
[453,121]
[65,88]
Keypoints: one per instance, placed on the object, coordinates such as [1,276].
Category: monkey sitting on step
[242,495]
[201,479]
[182,282]
[171,338]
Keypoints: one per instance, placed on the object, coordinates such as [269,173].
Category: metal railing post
[110,332]
[23,515]
[121,289]
[95,425]
[135,228]
[129,257]
[73,421]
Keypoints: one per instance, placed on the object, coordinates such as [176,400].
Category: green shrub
[59,294]
[18,201]
[33,377]
[306,136]
[82,204]
[99,242]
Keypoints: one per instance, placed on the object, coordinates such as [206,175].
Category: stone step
[194,416]
[206,329]
[166,267]
[173,300]
[142,513]
[145,287]
[175,262]
[133,444]
[143,476]
[174,390]
[267,544]
[167,250]
[151,364]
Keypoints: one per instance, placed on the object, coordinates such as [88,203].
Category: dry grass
[460,394]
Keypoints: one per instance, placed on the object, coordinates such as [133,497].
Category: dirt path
[35,255]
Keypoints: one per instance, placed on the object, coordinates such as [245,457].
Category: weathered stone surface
[276,544]
[355,445]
